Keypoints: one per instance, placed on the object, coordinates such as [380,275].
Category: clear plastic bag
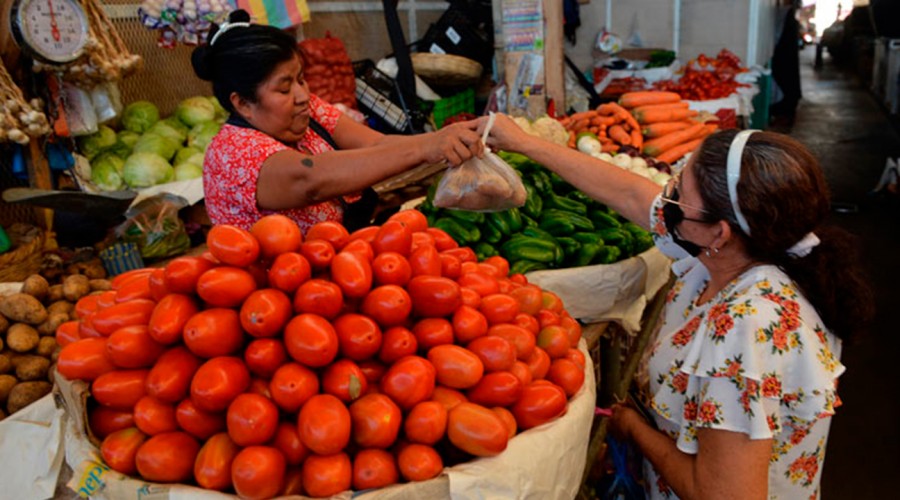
[155,227]
[486,184]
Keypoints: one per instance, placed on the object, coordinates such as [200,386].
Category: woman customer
[744,368]
[285,150]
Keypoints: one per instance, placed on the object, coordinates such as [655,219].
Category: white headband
[225,27]
[735,151]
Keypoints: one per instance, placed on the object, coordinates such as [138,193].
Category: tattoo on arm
[307,162]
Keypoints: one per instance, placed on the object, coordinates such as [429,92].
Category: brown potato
[23,308]
[100,285]
[5,364]
[36,286]
[55,294]
[49,327]
[22,337]
[94,269]
[55,354]
[46,346]
[4,324]
[6,384]
[15,358]
[75,287]
[25,393]
[63,306]
[33,368]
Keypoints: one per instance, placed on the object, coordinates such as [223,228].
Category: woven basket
[446,70]
[24,259]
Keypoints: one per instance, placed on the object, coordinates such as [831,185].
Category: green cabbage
[188,170]
[128,137]
[119,149]
[202,133]
[221,113]
[184,153]
[194,110]
[171,128]
[106,172]
[139,116]
[91,145]
[146,169]
[157,144]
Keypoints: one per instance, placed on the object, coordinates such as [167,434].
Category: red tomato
[518,278]
[552,301]
[104,421]
[167,458]
[120,448]
[86,306]
[508,419]
[330,231]
[394,236]
[396,343]
[408,381]
[499,308]
[345,380]
[153,416]
[119,389]
[448,397]
[375,421]
[264,356]
[106,299]
[431,332]
[259,386]
[470,298]
[136,312]
[359,336]
[217,382]
[391,268]
[433,296]
[119,280]
[554,340]
[287,440]
[289,271]
[292,385]
[182,273]
[573,329]
[419,462]
[547,318]
[133,347]
[456,366]
[425,261]
[442,240]
[566,374]
[496,353]
[577,357]
[413,219]
[522,372]
[464,254]
[252,419]
[293,481]
[477,430]
[522,339]
[450,266]
[539,403]
[319,297]
[529,297]
[169,317]
[84,359]
[538,363]
[265,312]
[388,305]
[311,340]
[527,322]
[426,423]
[362,248]
[353,273]
[374,468]
[324,424]
[225,286]
[499,263]
[212,469]
[198,423]
[366,234]
[481,282]
[276,234]
[421,238]
[67,333]
[318,253]
[214,332]
[257,472]
[232,245]
[373,370]
[324,476]
[170,378]
[138,288]
[496,389]
[86,328]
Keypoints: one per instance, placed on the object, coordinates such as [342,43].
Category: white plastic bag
[486,184]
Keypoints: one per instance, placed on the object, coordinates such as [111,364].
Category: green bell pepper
[528,221]
[499,222]
[586,254]
[536,232]
[603,220]
[484,250]
[533,202]
[465,215]
[618,238]
[585,237]
[564,203]
[562,223]
[523,266]
[560,185]
[490,233]
[526,247]
[569,245]
[541,181]
[461,231]
[607,255]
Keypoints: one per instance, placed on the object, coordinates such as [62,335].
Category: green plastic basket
[463,102]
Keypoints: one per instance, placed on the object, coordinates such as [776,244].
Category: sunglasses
[671,195]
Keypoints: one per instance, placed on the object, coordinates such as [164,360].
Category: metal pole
[676,26]
[609,15]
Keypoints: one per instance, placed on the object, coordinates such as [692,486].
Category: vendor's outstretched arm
[629,194]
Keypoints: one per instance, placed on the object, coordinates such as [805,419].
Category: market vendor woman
[742,374]
[285,150]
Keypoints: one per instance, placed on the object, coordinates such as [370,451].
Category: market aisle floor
[851,134]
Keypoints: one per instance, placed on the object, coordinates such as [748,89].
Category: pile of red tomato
[280,363]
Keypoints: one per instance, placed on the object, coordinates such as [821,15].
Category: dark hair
[242,58]
[783,196]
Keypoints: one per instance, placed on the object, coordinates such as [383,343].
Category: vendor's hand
[455,144]
[623,421]
[505,134]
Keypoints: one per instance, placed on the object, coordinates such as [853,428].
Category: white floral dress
[755,359]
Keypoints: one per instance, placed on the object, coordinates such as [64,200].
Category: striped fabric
[279,13]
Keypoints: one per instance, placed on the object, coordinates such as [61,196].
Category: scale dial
[54,31]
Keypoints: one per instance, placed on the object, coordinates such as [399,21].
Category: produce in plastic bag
[486,184]
[154,226]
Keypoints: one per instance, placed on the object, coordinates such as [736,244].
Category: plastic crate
[378,95]
[463,102]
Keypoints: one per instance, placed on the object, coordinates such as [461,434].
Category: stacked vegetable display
[610,124]
[149,150]
[279,363]
[706,78]
[558,227]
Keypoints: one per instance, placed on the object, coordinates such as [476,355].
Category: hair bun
[200,62]
[239,16]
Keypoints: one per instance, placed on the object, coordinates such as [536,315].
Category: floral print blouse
[232,164]
[754,359]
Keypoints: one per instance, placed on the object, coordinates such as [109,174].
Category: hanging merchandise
[281,14]
[328,70]
[185,21]
[19,119]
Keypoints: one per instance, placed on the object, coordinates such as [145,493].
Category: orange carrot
[579,125]
[609,148]
[584,115]
[660,129]
[571,142]
[643,98]
[623,115]
[657,108]
[665,115]
[675,154]
[594,129]
[618,134]
[637,140]
[606,109]
[656,147]
[603,120]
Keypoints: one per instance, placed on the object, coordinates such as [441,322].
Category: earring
[714,249]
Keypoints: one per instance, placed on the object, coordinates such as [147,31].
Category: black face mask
[673,216]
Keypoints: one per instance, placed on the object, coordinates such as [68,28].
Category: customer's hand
[454,143]
[623,421]
[505,134]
